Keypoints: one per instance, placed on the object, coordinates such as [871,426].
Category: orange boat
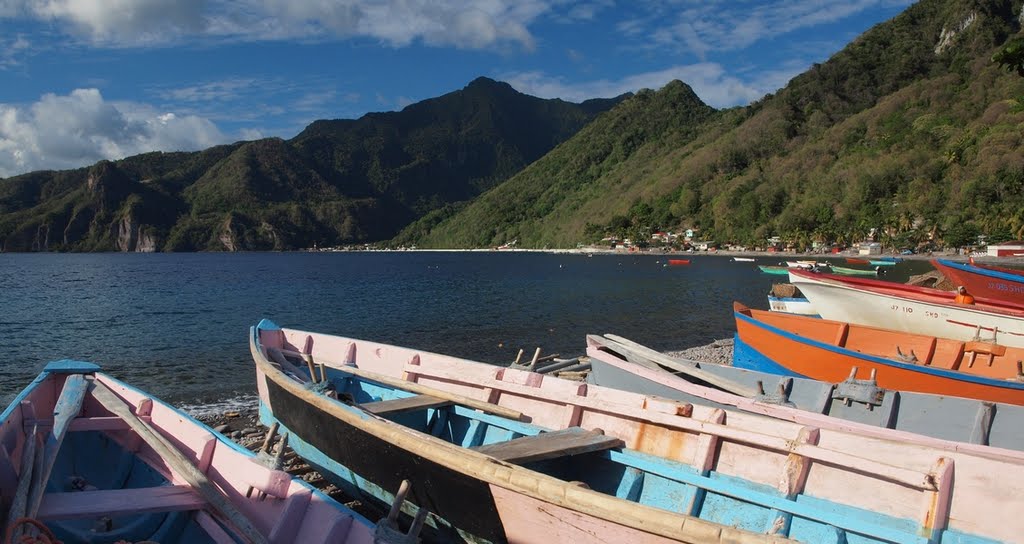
[677,262]
[795,345]
[854,260]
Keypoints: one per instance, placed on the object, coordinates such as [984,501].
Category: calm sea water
[176,325]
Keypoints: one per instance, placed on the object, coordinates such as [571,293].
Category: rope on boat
[18,527]
[321,388]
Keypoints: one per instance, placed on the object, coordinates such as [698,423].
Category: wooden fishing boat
[756,473]
[907,308]
[844,271]
[853,405]
[743,259]
[854,260]
[481,468]
[827,350]
[985,280]
[881,262]
[785,297]
[678,262]
[85,458]
[775,270]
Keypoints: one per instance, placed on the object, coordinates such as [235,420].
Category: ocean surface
[177,325]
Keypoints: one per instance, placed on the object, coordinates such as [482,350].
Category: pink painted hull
[530,520]
[873,469]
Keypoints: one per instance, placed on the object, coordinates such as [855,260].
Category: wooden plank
[180,464]
[290,519]
[67,408]
[19,504]
[407,404]
[119,502]
[433,392]
[103,423]
[633,349]
[571,441]
[213,529]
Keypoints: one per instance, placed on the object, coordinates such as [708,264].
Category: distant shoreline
[725,253]
[782,255]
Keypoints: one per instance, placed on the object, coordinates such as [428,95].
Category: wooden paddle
[632,349]
[67,407]
[177,461]
[28,458]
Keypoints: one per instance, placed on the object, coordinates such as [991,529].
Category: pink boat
[810,481]
[85,458]
[907,308]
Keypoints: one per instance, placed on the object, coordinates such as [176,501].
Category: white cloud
[78,129]
[726,25]
[123,21]
[11,48]
[457,23]
[211,91]
[712,83]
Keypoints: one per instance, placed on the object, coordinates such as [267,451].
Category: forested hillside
[338,182]
[912,130]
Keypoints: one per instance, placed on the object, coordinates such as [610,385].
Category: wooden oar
[177,461]
[68,405]
[28,458]
[414,387]
[633,349]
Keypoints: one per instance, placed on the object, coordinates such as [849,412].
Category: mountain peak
[488,85]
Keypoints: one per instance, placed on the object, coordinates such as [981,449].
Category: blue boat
[85,458]
[366,414]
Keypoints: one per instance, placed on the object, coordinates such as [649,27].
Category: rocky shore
[718,352]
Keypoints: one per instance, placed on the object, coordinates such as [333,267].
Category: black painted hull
[463,500]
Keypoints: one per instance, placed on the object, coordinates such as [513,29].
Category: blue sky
[85,80]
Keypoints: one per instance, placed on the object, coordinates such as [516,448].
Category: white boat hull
[792,305]
[840,302]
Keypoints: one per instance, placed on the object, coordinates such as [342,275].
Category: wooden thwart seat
[88,504]
[571,441]
[407,404]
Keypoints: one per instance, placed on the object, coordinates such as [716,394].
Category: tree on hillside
[1011,56]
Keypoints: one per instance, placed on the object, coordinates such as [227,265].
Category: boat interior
[590,459]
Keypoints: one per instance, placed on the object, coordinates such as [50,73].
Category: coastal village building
[870,248]
[1006,249]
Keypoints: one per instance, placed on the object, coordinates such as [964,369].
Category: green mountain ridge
[337,182]
[910,130]
[913,133]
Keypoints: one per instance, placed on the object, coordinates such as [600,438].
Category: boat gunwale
[981,270]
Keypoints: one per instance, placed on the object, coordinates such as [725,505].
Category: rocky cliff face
[131,237]
[947,35]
